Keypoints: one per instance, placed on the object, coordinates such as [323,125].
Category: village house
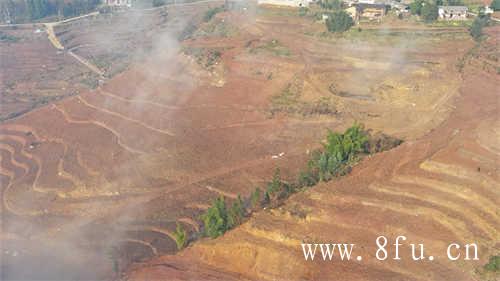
[119,3]
[289,3]
[366,11]
[452,12]
[370,11]
[353,12]
[487,10]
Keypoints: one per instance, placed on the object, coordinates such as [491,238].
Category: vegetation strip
[339,153]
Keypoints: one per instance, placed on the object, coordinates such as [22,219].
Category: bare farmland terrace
[112,170]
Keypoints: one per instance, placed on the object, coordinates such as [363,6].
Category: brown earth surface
[439,189]
[34,73]
[117,167]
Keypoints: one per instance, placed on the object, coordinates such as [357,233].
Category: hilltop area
[121,127]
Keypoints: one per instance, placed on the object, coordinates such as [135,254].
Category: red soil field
[114,169]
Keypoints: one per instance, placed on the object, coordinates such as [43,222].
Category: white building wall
[124,3]
[290,3]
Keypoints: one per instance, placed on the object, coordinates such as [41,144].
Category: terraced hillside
[34,73]
[439,189]
[112,41]
[107,174]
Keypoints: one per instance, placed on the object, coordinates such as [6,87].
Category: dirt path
[87,64]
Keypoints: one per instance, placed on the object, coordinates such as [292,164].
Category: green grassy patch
[7,38]
[288,102]
[205,57]
[216,28]
[274,47]
[209,14]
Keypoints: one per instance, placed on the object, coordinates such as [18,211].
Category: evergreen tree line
[339,153]
[17,11]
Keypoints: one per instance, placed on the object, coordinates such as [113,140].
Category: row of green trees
[15,11]
[339,152]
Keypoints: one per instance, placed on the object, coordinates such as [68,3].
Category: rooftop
[454,8]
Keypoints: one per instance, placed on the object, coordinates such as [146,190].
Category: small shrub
[476,30]
[267,198]
[180,236]
[381,142]
[274,47]
[493,264]
[307,179]
[236,213]
[303,11]
[209,14]
[215,219]
[275,184]
[255,198]
[8,38]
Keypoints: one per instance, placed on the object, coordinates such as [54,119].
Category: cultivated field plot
[118,166]
[33,72]
[112,41]
[442,187]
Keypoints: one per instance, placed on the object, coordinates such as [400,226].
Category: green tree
[354,139]
[267,198]
[236,213]
[429,12]
[215,219]
[275,184]
[495,5]
[416,7]
[330,4]
[493,264]
[255,198]
[180,236]
[476,30]
[307,178]
[210,13]
[339,21]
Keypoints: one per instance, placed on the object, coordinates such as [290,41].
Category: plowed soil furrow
[84,101]
[50,177]
[99,124]
[476,218]
[78,113]
[452,225]
[482,181]
[148,116]
[221,192]
[67,161]
[9,164]
[154,252]
[138,101]
[153,146]
[453,190]
[278,240]
[19,163]
[191,222]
